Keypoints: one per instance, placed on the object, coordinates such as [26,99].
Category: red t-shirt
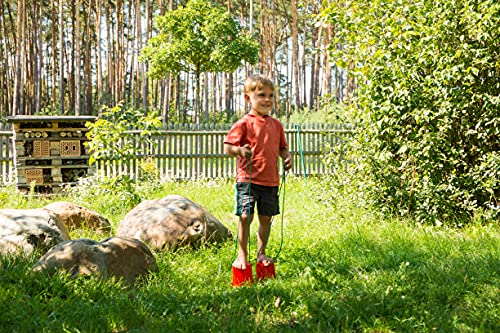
[266,137]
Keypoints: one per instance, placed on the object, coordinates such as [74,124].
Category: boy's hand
[245,151]
[288,162]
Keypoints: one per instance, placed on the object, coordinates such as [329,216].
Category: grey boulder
[24,230]
[113,257]
[171,222]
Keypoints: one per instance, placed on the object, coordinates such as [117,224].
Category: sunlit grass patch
[339,268]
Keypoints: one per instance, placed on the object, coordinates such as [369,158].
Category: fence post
[301,152]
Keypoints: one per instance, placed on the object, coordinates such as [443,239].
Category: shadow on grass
[357,283]
[351,285]
[348,284]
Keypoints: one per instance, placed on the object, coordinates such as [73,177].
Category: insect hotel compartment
[50,151]
[70,148]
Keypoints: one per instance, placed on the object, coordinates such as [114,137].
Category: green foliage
[329,112]
[428,103]
[149,170]
[10,197]
[221,117]
[110,139]
[116,193]
[198,37]
[341,269]
[121,186]
[175,115]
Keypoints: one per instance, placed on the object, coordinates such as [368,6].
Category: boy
[257,140]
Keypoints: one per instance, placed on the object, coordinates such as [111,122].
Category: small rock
[77,217]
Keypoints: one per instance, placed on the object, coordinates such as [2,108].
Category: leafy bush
[110,138]
[427,103]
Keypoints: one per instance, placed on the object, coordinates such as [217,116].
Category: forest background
[72,57]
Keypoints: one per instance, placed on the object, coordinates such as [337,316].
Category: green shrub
[427,104]
[110,139]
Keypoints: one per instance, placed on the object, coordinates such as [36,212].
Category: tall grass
[341,268]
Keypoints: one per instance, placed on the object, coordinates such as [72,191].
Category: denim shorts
[266,197]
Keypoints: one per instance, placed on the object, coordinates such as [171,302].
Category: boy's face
[261,101]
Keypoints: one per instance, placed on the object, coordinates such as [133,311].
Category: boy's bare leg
[243,234]
[263,234]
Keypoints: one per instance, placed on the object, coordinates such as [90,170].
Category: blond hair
[255,82]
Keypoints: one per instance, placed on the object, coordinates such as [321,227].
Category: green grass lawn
[342,268]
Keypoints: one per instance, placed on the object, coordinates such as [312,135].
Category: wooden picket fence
[197,151]
[7,172]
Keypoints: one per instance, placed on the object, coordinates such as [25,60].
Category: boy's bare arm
[287,158]
[238,151]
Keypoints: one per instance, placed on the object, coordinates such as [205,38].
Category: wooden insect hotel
[50,151]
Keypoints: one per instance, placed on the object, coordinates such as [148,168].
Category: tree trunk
[40,59]
[109,54]
[290,85]
[264,38]
[61,58]
[88,64]
[327,87]
[185,94]
[129,53]
[228,79]
[166,95]
[137,89]
[272,60]
[314,56]
[99,79]
[302,66]
[120,56]
[216,92]
[77,59]
[17,99]
[71,63]
[315,63]
[196,106]
[145,66]
[206,106]
[248,69]
[135,48]
[5,72]
[295,55]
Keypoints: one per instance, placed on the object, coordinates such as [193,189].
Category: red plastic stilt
[242,276]
[265,272]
